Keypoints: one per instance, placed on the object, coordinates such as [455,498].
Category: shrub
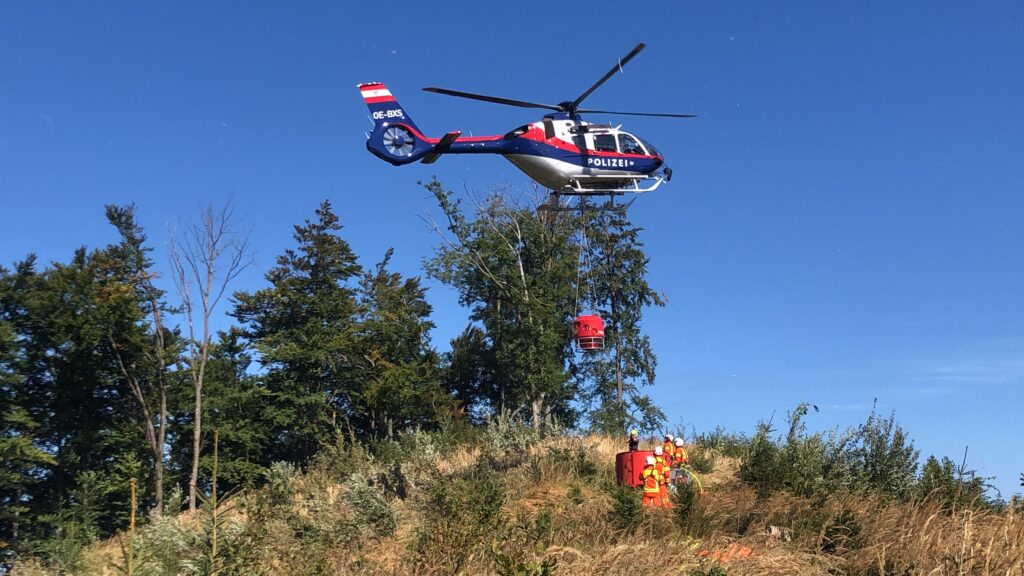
[714,570]
[954,487]
[627,512]
[841,533]
[372,511]
[460,513]
[689,510]
[760,467]
[702,460]
[725,443]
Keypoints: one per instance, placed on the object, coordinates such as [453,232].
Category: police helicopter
[561,152]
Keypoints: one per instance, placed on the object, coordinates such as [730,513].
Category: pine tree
[399,382]
[22,461]
[305,330]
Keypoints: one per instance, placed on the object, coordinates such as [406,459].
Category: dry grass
[842,534]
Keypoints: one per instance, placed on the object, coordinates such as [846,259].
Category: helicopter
[561,152]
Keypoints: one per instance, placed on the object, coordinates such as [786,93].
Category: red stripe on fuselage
[537,135]
[429,140]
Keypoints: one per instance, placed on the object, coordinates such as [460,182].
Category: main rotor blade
[494,99]
[616,68]
[586,111]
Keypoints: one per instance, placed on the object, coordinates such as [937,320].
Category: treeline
[110,373]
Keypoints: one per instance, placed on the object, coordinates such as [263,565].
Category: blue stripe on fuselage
[618,162]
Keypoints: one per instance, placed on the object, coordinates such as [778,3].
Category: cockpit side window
[580,142]
[629,145]
[604,143]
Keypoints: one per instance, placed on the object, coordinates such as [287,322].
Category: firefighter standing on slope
[652,483]
[665,470]
[667,445]
[680,457]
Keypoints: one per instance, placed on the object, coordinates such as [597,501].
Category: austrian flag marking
[373,93]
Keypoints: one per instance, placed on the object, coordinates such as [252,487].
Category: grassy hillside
[512,502]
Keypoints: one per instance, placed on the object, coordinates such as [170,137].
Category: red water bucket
[589,332]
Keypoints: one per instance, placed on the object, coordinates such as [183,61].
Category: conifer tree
[399,380]
[304,328]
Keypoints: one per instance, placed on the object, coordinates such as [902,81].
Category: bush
[725,443]
[689,510]
[627,512]
[841,533]
[702,460]
[372,511]
[460,513]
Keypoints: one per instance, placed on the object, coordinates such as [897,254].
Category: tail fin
[395,137]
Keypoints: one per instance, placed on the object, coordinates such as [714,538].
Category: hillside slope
[517,504]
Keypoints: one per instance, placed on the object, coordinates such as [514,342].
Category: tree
[515,270]
[238,406]
[22,461]
[398,383]
[614,284]
[66,384]
[305,330]
[140,343]
[209,256]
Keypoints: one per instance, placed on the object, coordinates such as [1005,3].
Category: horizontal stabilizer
[440,147]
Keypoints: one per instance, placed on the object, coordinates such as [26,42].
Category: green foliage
[508,565]
[690,511]
[461,514]
[719,441]
[306,332]
[515,269]
[702,460]
[953,486]
[613,284]
[507,437]
[841,533]
[875,457]
[761,465]
[627,512]
[373,513]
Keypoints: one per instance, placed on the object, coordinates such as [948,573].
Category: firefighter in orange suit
[652,483]
[679,454]
[667,445]
[664,470]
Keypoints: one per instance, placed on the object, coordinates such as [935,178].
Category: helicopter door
[605,143]
[629,145]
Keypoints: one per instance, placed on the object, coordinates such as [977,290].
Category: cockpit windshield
[651,150]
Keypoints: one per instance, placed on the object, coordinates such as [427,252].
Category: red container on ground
[629,465]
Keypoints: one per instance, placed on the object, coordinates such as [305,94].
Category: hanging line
[584,264]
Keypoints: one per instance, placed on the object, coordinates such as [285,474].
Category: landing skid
[612,185]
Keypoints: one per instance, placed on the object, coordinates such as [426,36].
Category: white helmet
[669,437]
[650,461]
[679,442]
[658,451]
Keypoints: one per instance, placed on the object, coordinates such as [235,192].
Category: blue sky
[844,223]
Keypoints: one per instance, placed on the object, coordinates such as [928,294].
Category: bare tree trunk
[198,264]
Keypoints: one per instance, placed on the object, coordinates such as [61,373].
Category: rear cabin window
[604,143]
[629,145]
